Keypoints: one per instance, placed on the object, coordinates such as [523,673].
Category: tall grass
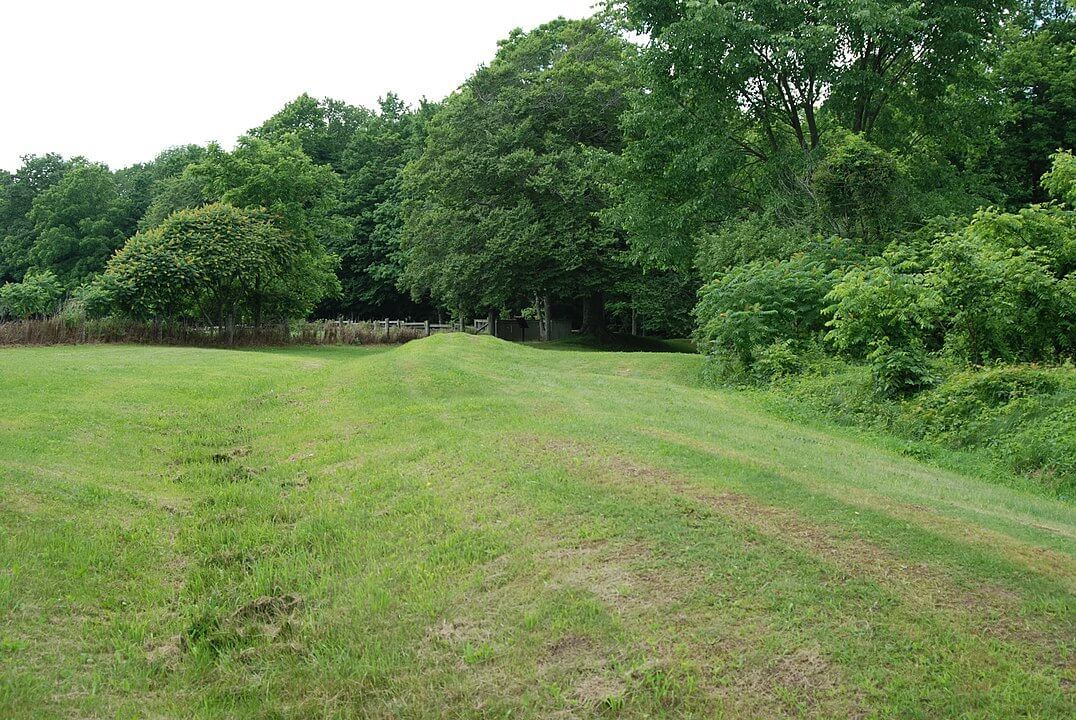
[63,331]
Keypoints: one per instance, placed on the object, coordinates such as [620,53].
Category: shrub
[856,184]
[1060,180]
[999,287]
[751,237]
[36,296]
[777,360]
[220,262]
[97,298]
[1024,415]
[888,302]
[757,304]
[901,370]
[1003,301]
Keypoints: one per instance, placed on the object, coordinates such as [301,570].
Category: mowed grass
[461,527]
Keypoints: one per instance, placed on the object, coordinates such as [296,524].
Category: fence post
[427,325]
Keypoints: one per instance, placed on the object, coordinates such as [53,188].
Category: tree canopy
[503,203]
[748,158]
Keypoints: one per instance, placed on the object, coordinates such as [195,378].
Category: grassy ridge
[464,527]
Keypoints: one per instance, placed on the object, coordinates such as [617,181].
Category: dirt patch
[269,607]
[801,683]
[452,633]
[600,691]
[607,570]
[167,652]
[230,455]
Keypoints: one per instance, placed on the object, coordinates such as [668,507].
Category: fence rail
[64,331]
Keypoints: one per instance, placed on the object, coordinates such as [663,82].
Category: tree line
[885,179]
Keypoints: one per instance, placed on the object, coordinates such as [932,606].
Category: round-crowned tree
[220,264]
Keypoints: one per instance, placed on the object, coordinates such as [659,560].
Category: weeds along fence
[62,331]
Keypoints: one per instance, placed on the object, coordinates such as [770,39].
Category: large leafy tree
[1037,74]
[741,94]
[502,205]
[324,127]
[78,223]
[217,263]
[17,193]
[300,196]
[371,266]
[141,184]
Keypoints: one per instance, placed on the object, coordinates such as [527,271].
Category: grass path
[461,527]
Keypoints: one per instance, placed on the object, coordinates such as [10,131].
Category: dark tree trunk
[546,319]
[594,317]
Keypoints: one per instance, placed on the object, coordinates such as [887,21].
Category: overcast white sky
[120,80]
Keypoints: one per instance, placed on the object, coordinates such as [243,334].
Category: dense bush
[752,306]
[1024,415]
[997,287]
[218,263]
[748,238]
[1002,302]
[36,296]
[856,184]
[1060,179]
[887,300]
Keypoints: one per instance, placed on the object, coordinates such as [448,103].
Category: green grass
[461,527]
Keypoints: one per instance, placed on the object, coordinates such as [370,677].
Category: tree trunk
[594,317]
[546,319]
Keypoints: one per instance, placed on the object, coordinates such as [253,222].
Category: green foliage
[501,205]
[151,187]
[856,184]
[1025,414]
[886,302]
[371,261]
[1036,75]
[220,263]
[324,127]
[150,277]
[779,359]
[1060,180]
[899,370]
[275,175]
[999,287]
[78,223]
[95,299]
[17,193]
[36,296]
[301,197]
[1002,302]
[1022,417]
[762,302]
[741,96]
[660,300]
[749,237]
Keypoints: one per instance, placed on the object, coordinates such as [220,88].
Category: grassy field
[460,527]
